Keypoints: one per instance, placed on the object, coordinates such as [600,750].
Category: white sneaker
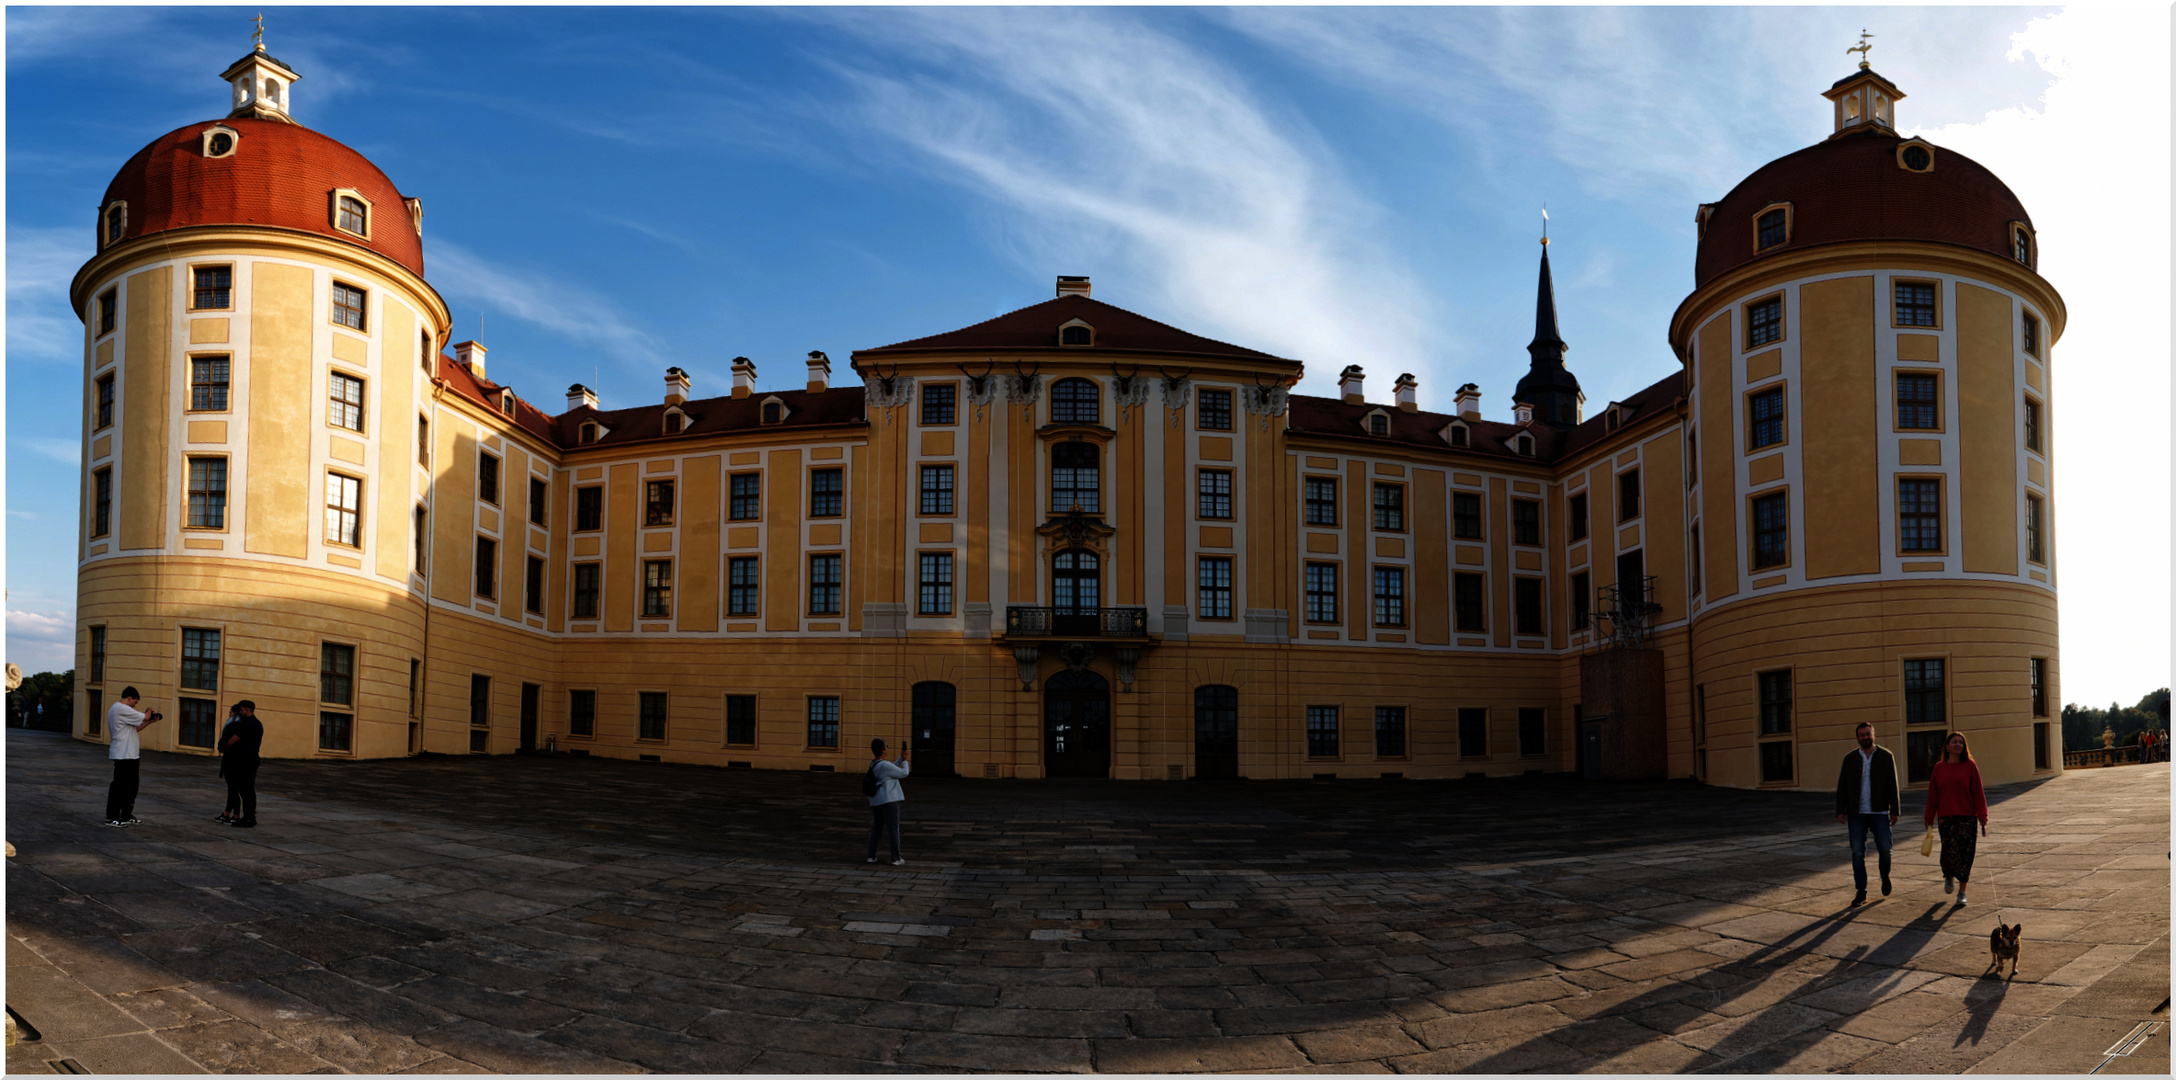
[870,859]
[1960,901]
[899,862]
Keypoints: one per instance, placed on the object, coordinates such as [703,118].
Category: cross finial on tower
[1862,48]
[258,37]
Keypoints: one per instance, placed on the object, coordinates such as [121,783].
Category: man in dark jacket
[240,744]
[1866,800]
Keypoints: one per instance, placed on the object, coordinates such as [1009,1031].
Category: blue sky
[612,191]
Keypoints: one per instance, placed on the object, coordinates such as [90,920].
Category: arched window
[1076,582]
[1774,228]
[1076,478]
[1075,401]
[272,91]
[354,216]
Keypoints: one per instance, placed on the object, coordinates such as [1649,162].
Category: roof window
[1915,156]
[220,140]
[1772,226]
[589,433]
[774,410]
[351,212]
[115,225]
[1076,334]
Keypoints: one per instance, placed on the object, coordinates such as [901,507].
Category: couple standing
[1867,802]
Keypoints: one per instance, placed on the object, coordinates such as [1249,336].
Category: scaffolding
[1625,614]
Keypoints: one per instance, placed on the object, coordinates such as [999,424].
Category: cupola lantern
[1864,100]
[263,86]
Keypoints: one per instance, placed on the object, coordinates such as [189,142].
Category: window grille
[1917,402]
[347,306]
[825,573]
[1321,492]
[207,493]
[1764,322]
[1771,531]
[936,584]
[1919,515]
[1389,596]
[214,288]
[1213,494]
[1213,575]
[937,490]
[1390,507]
[1390,731]
[1915,303]
[345,408]
[746,497]
[652,716]
[1075,477]
[1214,409]
[1322,731]
[939,403]
[657,588]
[743,586]
[1322,592]
[1075,401]
[1765,420]
[343,510]
[827,492]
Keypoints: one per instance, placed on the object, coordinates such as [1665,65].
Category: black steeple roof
[1548,386]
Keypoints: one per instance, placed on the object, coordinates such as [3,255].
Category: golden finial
[258,37]
[1862,48]
[1545,224]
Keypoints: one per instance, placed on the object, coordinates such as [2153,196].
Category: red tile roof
[838,406]
[1852,188]
[280,175]
[484,392]
[1036,328]
[1331,417]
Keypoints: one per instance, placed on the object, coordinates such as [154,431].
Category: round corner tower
[258,338]
[1867,355]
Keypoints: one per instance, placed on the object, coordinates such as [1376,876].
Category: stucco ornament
[1176,388]
[1129,392]
[888,392]
[1022,389]
[1265,402]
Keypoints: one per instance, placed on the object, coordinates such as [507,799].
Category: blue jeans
[1859,824]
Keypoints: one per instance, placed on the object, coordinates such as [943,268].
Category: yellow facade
[414,567]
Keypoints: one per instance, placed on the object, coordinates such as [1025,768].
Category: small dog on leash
[2002,942]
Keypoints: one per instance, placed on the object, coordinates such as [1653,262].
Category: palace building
[1073,541]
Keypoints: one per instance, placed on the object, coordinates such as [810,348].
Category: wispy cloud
[1108,144]
[65,451]
[41,262]
[2104,241]
[577,314]
[38,642]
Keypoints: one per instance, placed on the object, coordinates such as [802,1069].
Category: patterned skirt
[1960,841]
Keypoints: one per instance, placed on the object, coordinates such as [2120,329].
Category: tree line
[2082,725]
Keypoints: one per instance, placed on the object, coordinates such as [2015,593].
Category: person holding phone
[884,801]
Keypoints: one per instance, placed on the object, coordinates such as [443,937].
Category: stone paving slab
[536,914]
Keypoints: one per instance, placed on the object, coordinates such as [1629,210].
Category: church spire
[1549,387]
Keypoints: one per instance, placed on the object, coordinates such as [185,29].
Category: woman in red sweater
[1956,801]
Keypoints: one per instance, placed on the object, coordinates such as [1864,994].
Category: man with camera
[122,745]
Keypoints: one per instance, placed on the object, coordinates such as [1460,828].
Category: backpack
[869,781]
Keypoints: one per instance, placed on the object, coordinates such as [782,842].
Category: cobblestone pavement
[560,915]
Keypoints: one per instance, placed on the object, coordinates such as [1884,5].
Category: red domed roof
[280,175]
[1852,188]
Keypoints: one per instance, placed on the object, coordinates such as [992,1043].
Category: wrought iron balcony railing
[1109,622]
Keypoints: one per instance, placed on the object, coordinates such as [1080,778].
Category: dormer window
[2021,245]
[1458,436]
[1076,334]
[506,402]
[675,422]
[589,433]
[1526,446]
[1378,424]
[1700,220]
[1915,156]
[1772,226]
[1612,418]
[219,141]
[351,213]
[116,223]
[774,411]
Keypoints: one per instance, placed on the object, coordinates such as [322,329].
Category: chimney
[819,372]
[1408,389]
[470,355]
[1071,286]
[1469,402]
[1522,412]
[1348,385]
[676,386]
[744,376]
[579,395]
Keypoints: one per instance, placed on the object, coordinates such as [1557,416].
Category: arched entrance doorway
[1077,725]
[1216,733]
[935,717]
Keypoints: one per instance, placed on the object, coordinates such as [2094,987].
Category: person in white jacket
[122,745]
[884,805]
